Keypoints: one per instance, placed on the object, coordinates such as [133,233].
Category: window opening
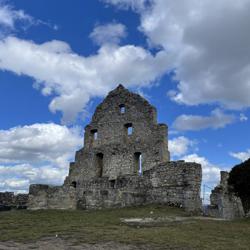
[73,184]
[138,163]
[112,183]
[122,109]
[129,128]
[94,133]
[99,161]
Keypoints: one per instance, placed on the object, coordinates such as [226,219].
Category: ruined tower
[124,162]
[123,138]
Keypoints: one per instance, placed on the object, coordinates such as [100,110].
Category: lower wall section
[48,197]
[175,183]
[10,201]
[172,183]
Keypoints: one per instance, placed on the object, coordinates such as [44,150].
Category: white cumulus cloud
[108,33]
[210,172]
[242,156]
[179,146]
[73,79]
[208,43]
[9,16]
[136,5]
[38,142]
[217,119]
[38,153]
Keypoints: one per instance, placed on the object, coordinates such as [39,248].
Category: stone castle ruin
[124,162]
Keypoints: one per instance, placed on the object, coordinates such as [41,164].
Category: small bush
[239,179]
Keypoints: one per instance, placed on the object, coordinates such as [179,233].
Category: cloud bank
[207,51]
[207,43]
[73,79]
[38,153]
[217,119]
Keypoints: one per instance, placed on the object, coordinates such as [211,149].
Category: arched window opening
[99,163]
[73,184]
[129,128]
[122,108]
[138,163]
[94,133]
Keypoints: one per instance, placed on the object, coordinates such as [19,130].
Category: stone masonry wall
[49,197]
[172,183]
[8,201]
[224,203]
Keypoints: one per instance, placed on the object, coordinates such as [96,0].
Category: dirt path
[67,244]
[57,243]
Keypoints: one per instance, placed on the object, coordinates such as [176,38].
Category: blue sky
[59,59]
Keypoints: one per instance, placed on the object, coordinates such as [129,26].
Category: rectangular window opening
[99,162]
[122,109]
[112,183]
[138,163]
[129,128]
[94,134]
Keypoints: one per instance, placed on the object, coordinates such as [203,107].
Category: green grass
[105,225]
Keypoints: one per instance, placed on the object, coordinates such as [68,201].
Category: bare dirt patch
[151,221]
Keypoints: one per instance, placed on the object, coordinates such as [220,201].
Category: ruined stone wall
[49,197]
[8,201]
[224,203]
[174,183]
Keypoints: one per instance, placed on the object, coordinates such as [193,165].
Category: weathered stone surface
[224,203]
[49,197]
[175,184]
[8,201]
[117,168]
